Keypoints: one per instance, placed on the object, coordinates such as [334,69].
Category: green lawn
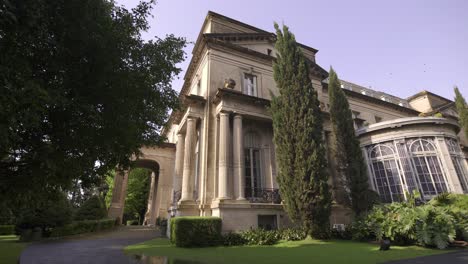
[10,249]
[297,252]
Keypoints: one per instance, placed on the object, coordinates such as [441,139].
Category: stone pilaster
[223,156]
[238,159]
[187,176]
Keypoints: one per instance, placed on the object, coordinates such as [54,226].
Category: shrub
[261,237]
[196,231]
[85,226]
[436,227]
[362,230]
[436,223]
[7,229]
[457,206]
[93,209]
[293,234]
[234,239]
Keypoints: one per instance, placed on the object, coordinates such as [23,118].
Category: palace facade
[220,155]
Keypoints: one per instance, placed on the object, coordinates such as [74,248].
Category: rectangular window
[252,172]
[250,84]
[267,222]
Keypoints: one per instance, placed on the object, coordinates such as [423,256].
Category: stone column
[150,200]
[223,155]
[154,195]
[238,159]
[118,195]
[179,164]
[187,176]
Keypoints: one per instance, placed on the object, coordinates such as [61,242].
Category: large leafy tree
[80,91]
[351,164]
[462,110]
[298,131]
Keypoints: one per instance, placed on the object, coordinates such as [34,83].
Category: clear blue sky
[395,46]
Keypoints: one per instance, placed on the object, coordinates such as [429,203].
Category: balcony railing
[262,195]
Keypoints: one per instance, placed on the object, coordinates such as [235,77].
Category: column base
[187,208]
[116,212]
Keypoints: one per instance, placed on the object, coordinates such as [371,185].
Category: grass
[306,251]
[10,249]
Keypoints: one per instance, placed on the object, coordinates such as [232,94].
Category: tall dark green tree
[80,91]
[462,110]
[298,131]
[351,164]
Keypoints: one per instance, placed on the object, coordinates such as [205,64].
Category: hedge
[7,230]
[85,226]
[195,231]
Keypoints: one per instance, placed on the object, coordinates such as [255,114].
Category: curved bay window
[458,161]
[387,178]
[400,166]
[428,168]
[253,179]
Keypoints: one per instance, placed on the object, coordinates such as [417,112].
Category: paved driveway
[98,248]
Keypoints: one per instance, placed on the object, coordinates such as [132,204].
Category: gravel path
[96,248]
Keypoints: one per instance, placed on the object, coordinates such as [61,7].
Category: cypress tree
[298,130]
[462,111]
[352,167]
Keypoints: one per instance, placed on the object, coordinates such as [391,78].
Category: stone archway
[160,160]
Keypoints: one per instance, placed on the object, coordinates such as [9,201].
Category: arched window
[428,169]
[253,178]
[386,174]
[458,161]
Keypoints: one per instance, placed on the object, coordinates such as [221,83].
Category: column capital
[224,113]
[237,116]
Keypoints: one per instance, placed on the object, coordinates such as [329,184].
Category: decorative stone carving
[229,83]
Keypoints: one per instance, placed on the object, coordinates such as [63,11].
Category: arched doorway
[160,161]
